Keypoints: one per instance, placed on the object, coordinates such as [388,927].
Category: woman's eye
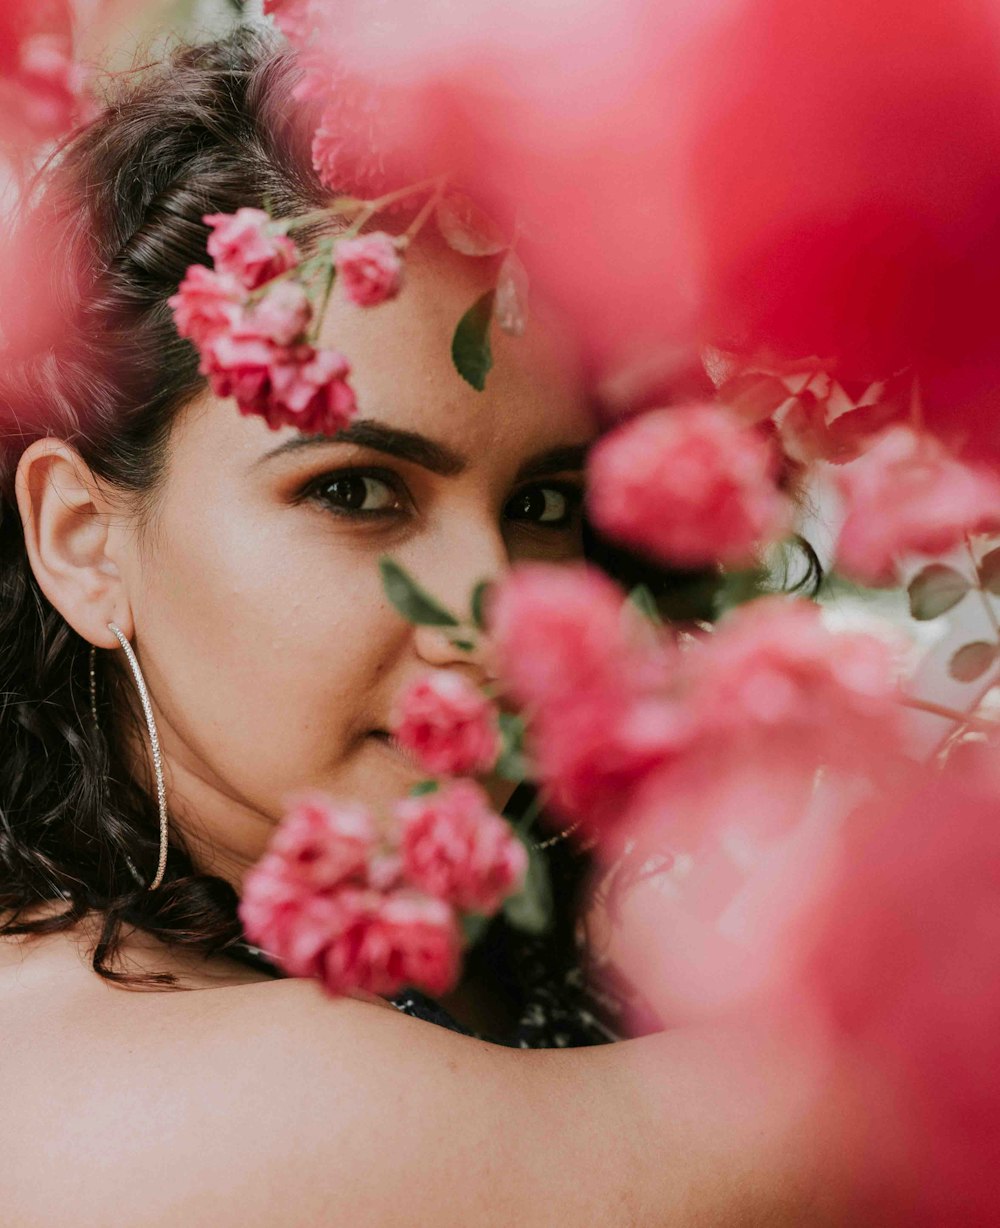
[551,506]
[354,493]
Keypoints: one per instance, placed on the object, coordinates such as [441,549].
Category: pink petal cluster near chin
[369,268]
[456,848]
[907,494]
[327,900]
[692,485]
[448,724]
[252,342]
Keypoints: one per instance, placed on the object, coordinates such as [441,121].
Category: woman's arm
[271,1106]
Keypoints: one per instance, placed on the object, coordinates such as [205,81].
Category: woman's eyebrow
[426,452]
[366,433]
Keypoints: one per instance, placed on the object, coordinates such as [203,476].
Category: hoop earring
[154,741]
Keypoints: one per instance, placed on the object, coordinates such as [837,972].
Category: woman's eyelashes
[379,494]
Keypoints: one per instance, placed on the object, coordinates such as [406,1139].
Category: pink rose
[242,248]
[206,304]
[370,268]
[905,495]
[311,391]
[593,753]
[285,385]
[777,681]
[456,848]
[325,842]
[903,963]
[692,485]
[381,943]
[557,630]
[282,315]
[448,724]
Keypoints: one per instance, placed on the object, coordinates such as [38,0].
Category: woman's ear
[68,535]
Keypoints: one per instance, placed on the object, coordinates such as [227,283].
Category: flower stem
[984,724]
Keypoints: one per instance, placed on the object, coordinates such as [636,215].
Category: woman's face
[269,648]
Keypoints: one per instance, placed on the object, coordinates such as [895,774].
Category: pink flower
[323,842]
[311,392]
[206,304]
[241,247]
[281,315]
[904,966]
[370,268]
[448,724]
[456,848]
[908,495]
[593,753]
[381,943]
[693,485]
[293,385]
[557,631]
[785,691]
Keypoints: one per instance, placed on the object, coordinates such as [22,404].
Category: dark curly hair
[213,128]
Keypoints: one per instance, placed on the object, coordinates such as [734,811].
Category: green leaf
[473,927]
[423,787]
[414,603]
[478,603]
[989,572]
[642,598]
[972,661]
[935,590]
[531,909]
[737,588]
[512,763]
[470,346]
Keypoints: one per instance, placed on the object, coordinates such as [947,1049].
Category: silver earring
[154,741]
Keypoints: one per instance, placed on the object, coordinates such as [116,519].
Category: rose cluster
[632,734]
[250,318]
[358,907]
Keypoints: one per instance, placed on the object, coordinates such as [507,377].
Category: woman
[241,564]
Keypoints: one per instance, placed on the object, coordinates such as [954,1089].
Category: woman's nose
[441,648]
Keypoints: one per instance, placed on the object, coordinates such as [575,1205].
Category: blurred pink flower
[903,964]
[594,752]
[327,900]
[449,724]
[206,304]
[325,842]
[558,631]
[456,848]
[907,494]
[787,688]
[383,942]
[242,247]
[692,485]
[370,268]
[282,315]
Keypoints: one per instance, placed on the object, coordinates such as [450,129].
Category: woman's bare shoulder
[271,1104]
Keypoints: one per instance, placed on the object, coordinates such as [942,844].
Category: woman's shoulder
[268,1104]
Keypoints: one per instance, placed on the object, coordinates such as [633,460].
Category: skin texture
[257,612]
